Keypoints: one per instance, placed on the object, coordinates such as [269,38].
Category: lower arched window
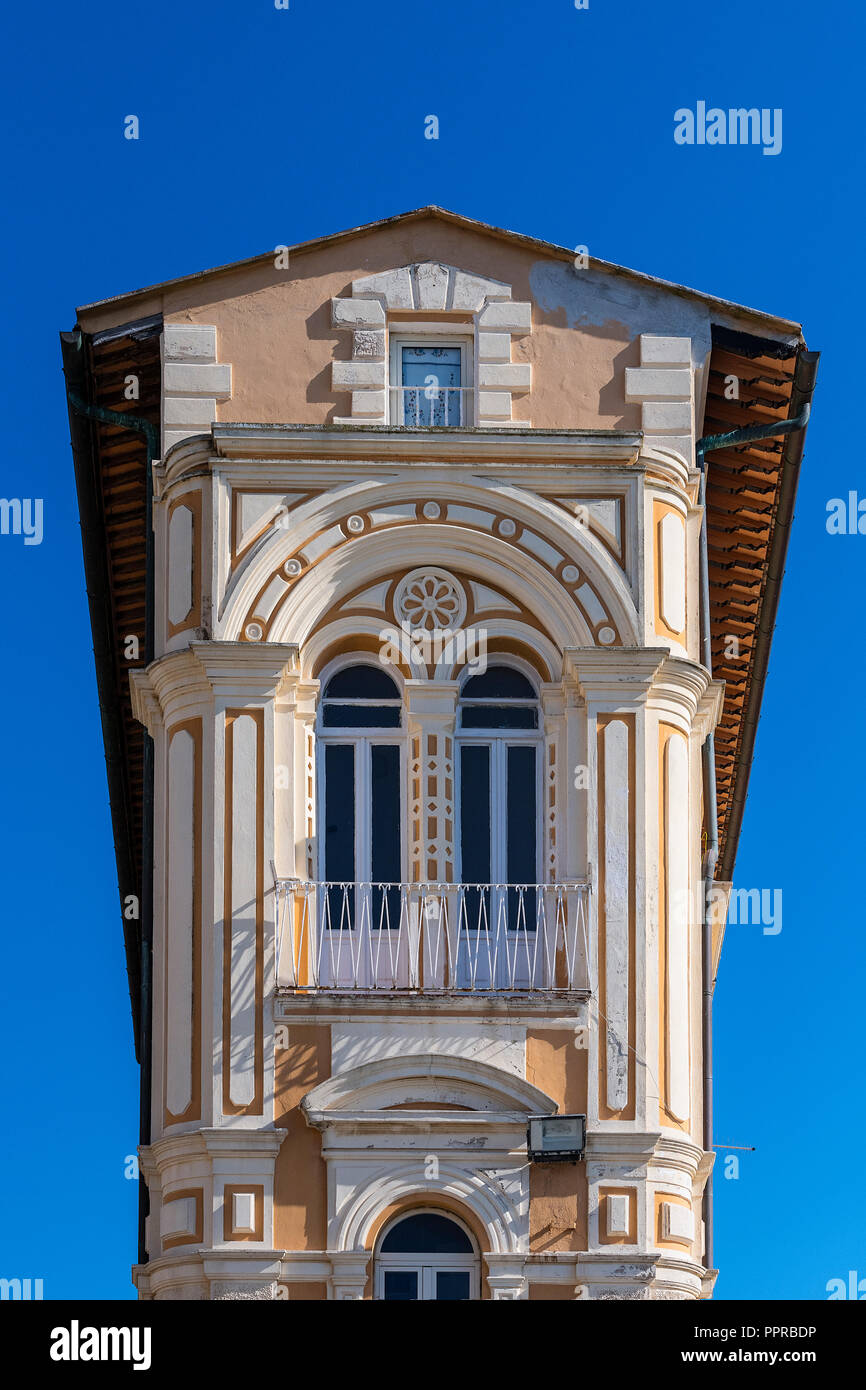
[427,1256]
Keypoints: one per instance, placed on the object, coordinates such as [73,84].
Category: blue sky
[259,127]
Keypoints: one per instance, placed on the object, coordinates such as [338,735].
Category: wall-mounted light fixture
[556,1138]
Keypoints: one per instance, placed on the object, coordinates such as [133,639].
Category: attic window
[430,385]
[485,322]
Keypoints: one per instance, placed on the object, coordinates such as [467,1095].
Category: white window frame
[498,740]
[432,336]
[427,1266]
[362,740]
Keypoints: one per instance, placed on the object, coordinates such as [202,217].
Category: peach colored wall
[300,1197]
[274,327]
[558,1191]
[307,1292]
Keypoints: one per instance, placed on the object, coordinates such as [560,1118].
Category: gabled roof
[767,323]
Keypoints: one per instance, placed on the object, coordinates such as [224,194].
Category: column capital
[620,674]
[349,1273]
[506,1275]
[633,676]
[431,702]
[239,672]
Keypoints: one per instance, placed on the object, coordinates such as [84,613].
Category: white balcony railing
[432,938]
[425,407]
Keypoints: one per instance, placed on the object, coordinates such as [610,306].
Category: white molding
[374,1086]
[678,1222]
[522,446]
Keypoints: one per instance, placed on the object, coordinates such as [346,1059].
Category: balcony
[432,938]
[431,407]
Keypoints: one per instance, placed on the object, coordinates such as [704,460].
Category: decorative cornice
[199,1143]
[651,674]
[613,673]
[204,669]
[378,443]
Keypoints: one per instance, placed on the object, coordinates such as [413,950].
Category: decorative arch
[502,1216]
[539,566]
[433,1077]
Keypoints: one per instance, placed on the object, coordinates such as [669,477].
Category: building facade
[428,760]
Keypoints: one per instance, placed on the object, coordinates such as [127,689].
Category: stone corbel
[348,1274]
[709,710]
[506,1276]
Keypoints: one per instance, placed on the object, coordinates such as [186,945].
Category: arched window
[427,1256]
[360,781]
[359,697]
[499,754]
[499,698]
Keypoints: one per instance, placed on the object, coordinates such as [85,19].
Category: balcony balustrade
[432,938]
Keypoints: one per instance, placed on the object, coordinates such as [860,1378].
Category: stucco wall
[274,325]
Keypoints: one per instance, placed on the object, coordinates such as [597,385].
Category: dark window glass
[499,717]
[385,827]
[360,716]
[475,833]
[499,683]
[427,1234]
[339,813]
[401,1285]
[521,833]
[452,1285]
[475,813]
[340,834]
[361,683]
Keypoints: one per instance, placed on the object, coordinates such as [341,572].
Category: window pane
[452,1285]
[498,717]
[521,834]
[360,716]
[385,826]
[361,683]
[498,683]
[400,1285]
[474,818]
[339,813]
[427,1234]
[431,382]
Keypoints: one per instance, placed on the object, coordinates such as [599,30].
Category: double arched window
[362,778]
